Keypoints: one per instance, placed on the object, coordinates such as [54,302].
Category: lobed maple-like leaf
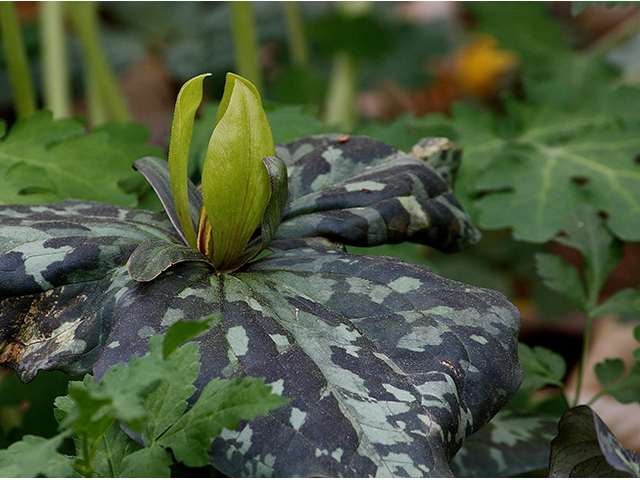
[390,367]
[46,160]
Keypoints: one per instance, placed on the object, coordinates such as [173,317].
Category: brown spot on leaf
[580,181]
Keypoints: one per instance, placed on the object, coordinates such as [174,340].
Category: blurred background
[397,71]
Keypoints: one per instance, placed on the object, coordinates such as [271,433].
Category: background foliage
[552,179]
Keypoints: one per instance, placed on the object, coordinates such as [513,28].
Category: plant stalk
[55,61]
[298,46]
[245,41]
[340,102]
[583,356]
[85,19]
[24,99]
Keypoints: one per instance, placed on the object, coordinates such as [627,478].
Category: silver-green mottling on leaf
[390,367]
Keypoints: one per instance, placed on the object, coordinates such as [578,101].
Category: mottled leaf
[390,367]
[363,192]
[156,171]
[152,257]
[585,447]
[374,351]
[512,443]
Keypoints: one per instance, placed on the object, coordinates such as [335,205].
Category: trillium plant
[387,367]
[243,185]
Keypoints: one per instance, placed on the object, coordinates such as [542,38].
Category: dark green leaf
[627,388]
[541,367]
[289,122]
[113,448]
[35,456]
[363,36]
[561,277]
[222,404]
[152,257]
[150,462]
[512,443]
[156,171]
[585,447]
[180,332]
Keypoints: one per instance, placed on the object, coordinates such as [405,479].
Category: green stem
[96,105]
[246,43]
[24,99]
[55,62]
[298,47]
[340,103]
[85,19]
[583,355]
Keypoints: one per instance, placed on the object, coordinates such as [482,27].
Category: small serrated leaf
[150,462]
[561,277]
[180,332]
[222,404]
[608,371]
[601,251]
[622,302]
[541,367]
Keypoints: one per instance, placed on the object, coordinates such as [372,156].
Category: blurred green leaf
[608,371]
[114,447]
[45,160]
[150,462]
[622,302]
[561,277]
[180,332]
[625,389]
[35,456]
[363,36]
[541,367]
[601,251]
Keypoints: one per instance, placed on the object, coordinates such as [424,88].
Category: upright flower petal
[235,182]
